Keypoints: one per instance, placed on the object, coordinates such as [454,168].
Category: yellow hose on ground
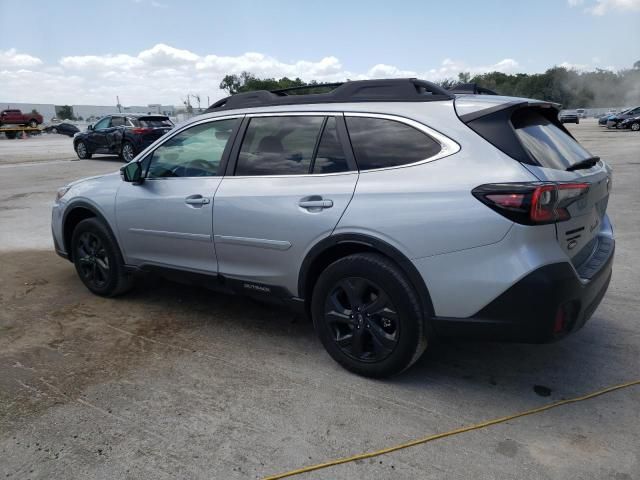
[457,431]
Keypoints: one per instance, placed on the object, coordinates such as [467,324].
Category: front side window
[102,124]
[279,145]
[195,152]
[382,143]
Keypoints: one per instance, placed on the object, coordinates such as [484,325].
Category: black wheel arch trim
[96,212]
[374,244]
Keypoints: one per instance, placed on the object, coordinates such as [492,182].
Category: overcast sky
[157,51]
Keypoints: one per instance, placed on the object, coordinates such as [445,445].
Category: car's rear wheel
[33,123]
[128,152]
[98,260]
[54,130]
[635,126]
[368,316]
[82,151]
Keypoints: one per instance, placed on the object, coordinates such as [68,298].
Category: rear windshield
[549,145]
[152,122]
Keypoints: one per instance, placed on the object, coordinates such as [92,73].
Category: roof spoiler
[470,88]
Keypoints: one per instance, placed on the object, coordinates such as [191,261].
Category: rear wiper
[584,164]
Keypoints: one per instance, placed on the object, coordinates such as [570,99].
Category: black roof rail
[472,88]
[388,90]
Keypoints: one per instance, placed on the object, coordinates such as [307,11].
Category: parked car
[632,123]
[123,135]
[16,117]
[614,120]
[389,211]
[62,128]
[582,113]
[569,116]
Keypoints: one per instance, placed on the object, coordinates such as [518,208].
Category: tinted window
[330,157]
[549,145]
[278,145]
[380,143]
[195,152]
[104,123]
[117,121]
[152,122]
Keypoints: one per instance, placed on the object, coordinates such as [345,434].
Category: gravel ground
[173,381]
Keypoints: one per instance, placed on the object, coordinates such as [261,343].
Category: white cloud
[600,7]
[165,74]
[12,59]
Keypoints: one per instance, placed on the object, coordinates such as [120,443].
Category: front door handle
[316,203]
[196,200]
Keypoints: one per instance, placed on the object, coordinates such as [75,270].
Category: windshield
[152,122]
[548,144]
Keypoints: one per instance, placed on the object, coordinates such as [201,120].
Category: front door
[291,183]
[168,219]
[97,137]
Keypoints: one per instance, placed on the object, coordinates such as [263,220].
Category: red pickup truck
[16,117]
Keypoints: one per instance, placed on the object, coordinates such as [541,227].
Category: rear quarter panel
[428,209]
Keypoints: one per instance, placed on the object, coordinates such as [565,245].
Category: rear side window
[381,143]
[279,145]
[151,122]
[549,145]
[330,157]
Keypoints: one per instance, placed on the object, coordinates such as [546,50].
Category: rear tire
[98,260]
[82,151]
[368,315]
[128,152]
[54,130]
[33,123]
[635,126]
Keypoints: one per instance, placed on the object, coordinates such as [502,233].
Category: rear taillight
[531,203]
[139,130]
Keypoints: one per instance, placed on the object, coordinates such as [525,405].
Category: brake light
[531,203]
[139,130]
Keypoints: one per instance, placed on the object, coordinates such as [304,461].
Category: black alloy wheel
[368,315]
[362,319]
[93,261]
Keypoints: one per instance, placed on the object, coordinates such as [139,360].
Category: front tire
[33,123]
[98,260]
[82,151]
[54,130]
[368,315]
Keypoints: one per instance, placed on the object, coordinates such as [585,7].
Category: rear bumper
[547,304]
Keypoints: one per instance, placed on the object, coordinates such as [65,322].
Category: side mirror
[90,126]
[132,173]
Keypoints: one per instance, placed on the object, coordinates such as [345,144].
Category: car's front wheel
[97,259]
[33,124]
[368,315]
[82,151]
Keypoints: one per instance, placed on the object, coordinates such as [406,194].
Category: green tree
[248,82]
[64,112]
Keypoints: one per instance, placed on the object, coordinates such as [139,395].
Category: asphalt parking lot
[173,381]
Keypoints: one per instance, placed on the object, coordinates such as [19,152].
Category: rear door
[560,158]
[289,181]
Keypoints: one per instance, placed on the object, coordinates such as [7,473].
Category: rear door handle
[196,200]
[316,203]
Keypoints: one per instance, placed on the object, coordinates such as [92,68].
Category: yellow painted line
[450,433]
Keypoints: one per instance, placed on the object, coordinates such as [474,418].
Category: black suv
[123,135]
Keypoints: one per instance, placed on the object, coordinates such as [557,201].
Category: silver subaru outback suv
[390,211]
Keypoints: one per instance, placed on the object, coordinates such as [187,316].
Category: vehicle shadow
[585,361]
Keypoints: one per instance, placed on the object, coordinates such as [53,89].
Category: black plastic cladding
[391,90]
